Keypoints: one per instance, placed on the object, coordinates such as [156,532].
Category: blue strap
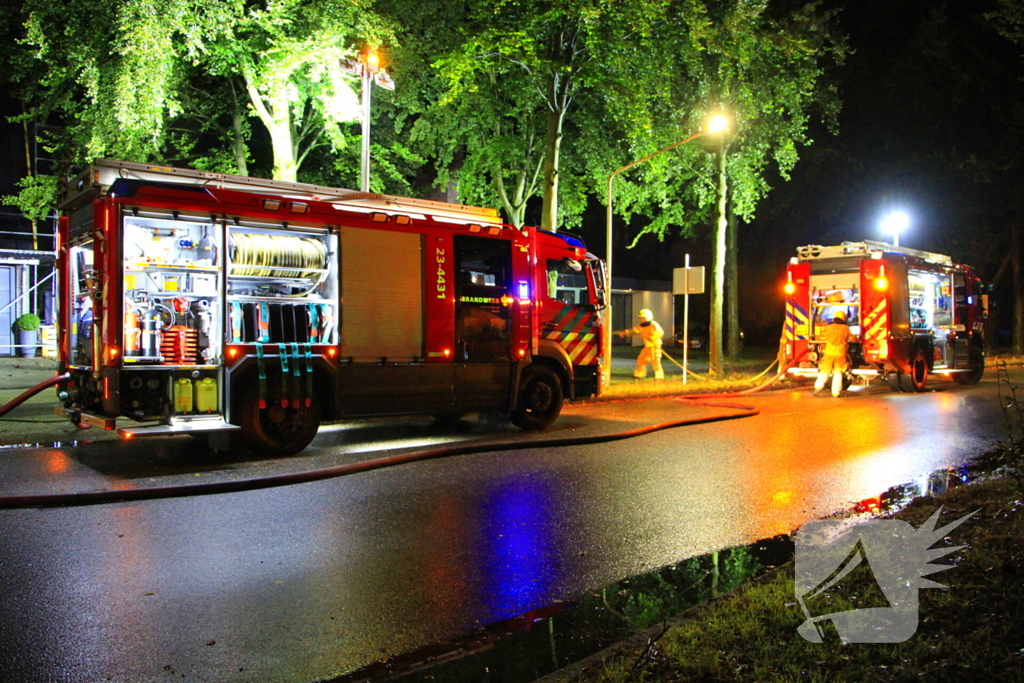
[263,324]
[309,375]
[261,366]
[296,374]
[236,321]
[314,323]
[286,389]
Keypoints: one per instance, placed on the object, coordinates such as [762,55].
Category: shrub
[27,322]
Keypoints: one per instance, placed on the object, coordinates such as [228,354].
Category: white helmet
[646,314]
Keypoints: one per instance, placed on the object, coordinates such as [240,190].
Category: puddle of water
[540,642]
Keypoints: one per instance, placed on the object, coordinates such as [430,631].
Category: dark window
[482,299]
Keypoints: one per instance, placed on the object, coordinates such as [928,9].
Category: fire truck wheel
[893,379]
[540,398]
[916,379]
[275,430]
[977,365]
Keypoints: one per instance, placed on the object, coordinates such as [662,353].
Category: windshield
[828,302]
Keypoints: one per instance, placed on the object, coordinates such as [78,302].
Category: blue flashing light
[571,240]
[523,288]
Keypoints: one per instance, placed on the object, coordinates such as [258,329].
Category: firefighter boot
[837,384]
[819,384]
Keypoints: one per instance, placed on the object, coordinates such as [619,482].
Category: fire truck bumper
[191,425]
[864,373]
[85,419]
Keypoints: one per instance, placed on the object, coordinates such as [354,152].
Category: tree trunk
[552,149]
[1018,290]
[285,167]
[718,271]
[275,112]
[238,139]
[30,171]
[732,304]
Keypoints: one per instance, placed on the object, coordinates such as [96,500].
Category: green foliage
[159,80]
[27,322]
[37,198]
[522,83]
[768,69]
[649,599]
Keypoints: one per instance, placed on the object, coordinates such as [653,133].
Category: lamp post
[895,223]
[716,124]
[367,68]
[369,60]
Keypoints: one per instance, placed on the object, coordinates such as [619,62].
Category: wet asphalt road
[308,582]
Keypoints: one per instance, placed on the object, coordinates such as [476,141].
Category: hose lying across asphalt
[209,488]
[11,405]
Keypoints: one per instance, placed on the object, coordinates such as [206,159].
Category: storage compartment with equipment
[172,304]
[278,287]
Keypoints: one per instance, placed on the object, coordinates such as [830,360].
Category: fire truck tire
[893,379]
[275,430]
[916,379]
[540,398]
[977,364]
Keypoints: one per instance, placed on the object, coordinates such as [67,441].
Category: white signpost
[687,281]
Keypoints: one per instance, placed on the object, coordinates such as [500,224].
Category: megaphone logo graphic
[831,553]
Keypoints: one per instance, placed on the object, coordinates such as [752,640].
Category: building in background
[26,248]
[628,297]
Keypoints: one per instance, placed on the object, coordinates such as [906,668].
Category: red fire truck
[911,312]
[208,303]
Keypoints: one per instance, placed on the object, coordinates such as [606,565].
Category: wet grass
[969,632]
[738,374]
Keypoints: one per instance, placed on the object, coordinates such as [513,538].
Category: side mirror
[572,264]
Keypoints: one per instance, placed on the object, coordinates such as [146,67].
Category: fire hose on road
[209,488]
[8,407]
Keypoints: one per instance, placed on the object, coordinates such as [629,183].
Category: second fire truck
[912,313]
[206,303]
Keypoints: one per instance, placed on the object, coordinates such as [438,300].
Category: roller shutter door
[381,295]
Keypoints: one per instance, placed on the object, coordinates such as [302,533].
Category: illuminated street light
[716,124]
[895,223]
[369,70]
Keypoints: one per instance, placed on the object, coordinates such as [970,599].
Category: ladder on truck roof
[867,248]
[102,173]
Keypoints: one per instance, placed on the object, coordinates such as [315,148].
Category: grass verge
[972,631]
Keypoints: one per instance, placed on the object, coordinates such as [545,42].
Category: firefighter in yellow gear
[650,331]
[834,360]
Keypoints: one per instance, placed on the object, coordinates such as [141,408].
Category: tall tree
[530,69]
[766,66]
[118,73]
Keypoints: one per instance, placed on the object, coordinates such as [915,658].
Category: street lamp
[367,68]
[716,124]
[895,223]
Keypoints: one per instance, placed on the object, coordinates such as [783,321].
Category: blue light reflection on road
[522,563]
